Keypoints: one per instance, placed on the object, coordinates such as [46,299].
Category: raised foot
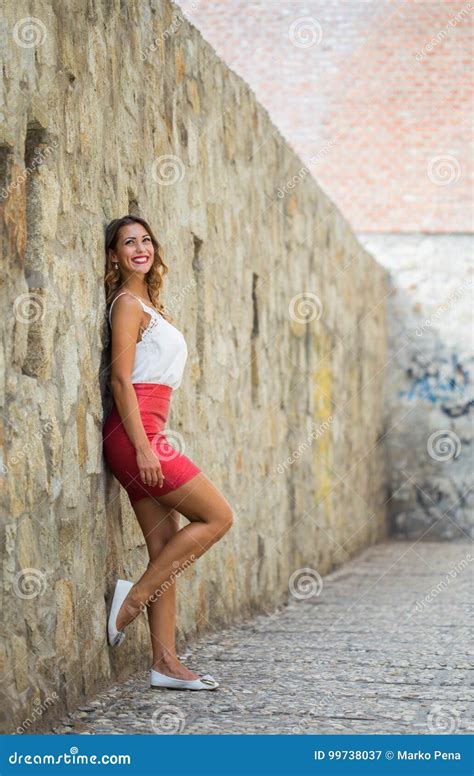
[130,609]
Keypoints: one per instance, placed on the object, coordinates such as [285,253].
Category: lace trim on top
[155,319]
[155,316]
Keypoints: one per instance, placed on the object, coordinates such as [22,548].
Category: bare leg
[159,523]
[211,517]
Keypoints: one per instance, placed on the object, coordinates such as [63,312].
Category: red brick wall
[385,120]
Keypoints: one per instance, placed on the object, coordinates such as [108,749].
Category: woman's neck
[141,290]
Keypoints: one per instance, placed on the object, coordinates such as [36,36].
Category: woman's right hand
[149,467]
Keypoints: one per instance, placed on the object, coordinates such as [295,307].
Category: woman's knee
[222,521]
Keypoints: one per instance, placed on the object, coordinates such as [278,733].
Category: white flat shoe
[206,682]
[122,588]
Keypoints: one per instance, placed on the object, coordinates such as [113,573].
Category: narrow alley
[383,647]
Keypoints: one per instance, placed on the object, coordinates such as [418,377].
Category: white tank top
[161,354]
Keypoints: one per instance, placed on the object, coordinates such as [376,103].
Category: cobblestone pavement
[383,647]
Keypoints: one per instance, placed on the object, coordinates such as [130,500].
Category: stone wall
[429,383]
[374,98]
[128,109]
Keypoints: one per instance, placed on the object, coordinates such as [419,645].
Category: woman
[147,362]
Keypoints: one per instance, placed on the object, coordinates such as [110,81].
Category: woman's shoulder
[127,295]
[129,301]
[147,306]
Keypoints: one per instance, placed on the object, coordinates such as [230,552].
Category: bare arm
[126,318]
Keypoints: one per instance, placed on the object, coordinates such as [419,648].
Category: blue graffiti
[449,390]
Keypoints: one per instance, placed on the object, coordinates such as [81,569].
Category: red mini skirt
[120,455]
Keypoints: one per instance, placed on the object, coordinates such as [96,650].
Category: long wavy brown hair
[154,278]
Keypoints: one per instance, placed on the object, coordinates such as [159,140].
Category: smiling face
[134,250]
